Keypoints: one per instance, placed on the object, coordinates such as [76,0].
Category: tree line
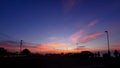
[83,54]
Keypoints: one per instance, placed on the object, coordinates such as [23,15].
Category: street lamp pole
[108,42]
[21,42]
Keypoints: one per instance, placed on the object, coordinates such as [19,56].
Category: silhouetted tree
[62,54]
[106,55]
[116,53]
[98,54]
[26,52]
[3,51]
[95,55]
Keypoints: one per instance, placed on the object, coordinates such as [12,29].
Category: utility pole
[108,42]
[21,43]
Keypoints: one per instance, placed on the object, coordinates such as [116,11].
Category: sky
[55,26]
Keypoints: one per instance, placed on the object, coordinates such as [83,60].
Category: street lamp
[21,45]
[108,42]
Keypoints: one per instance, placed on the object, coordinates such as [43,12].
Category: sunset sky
[54,26]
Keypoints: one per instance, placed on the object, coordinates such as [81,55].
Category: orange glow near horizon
[44,48]
[50,47]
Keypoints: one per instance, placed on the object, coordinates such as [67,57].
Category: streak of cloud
[14,45]
[55,44]
[52,38]
[90,36]
[92,23]
[115,45]
[77,35]
[68,5]
[80,48]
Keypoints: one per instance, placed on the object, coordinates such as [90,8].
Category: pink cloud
[77,35]
[92,23]
[90,36]
[74,37]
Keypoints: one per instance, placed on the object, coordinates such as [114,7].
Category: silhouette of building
[86,54]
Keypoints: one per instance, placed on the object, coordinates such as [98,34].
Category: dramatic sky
[59,25]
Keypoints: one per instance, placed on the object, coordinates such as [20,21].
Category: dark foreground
[58,62]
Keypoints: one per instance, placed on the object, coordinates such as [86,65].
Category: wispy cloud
[74,37]
[92,23]
[9,42]
[115,45]
[69,4]
[14,46]
[77,35]
[82,48]
[90,36]
[52,38]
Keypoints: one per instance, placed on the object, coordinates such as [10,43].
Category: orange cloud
[49,47]
[55,44]
[46,48]
[90,36]
[76,36]
[43,48]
